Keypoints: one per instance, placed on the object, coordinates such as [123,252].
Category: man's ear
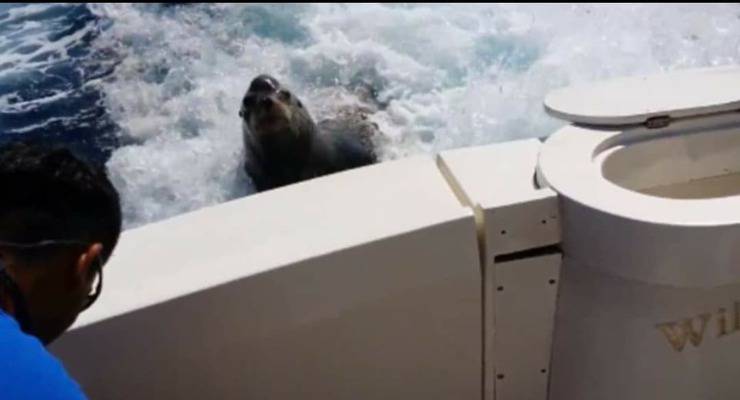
[84,269]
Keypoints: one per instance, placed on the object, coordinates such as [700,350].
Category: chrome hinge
[658,122]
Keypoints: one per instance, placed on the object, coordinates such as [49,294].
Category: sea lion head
[274,117]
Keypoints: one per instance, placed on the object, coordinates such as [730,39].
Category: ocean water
[152,91]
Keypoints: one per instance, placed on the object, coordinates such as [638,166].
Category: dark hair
[47,193]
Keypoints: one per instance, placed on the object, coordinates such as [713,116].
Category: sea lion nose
[263,83]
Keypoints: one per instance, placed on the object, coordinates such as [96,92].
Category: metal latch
[658,122]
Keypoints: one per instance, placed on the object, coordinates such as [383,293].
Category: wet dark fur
[285,146]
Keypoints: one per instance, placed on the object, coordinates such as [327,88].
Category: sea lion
[284,145]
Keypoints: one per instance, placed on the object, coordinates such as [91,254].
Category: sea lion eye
[300,105]
[284,95]
[248,101]
[247,104]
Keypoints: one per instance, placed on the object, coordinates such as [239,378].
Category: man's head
[49,196]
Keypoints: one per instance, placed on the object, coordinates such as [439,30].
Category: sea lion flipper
[349,139]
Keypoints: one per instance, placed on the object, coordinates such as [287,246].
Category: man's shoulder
[28,370]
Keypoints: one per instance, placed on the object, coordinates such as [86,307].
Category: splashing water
[155,89]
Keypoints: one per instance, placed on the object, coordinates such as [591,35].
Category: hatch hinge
[658,122]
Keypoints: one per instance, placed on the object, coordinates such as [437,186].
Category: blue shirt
[28,371]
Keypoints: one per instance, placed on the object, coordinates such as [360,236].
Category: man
[60,220]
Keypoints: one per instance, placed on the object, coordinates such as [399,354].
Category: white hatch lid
[629,101]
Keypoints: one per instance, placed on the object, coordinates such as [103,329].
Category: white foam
[455,75]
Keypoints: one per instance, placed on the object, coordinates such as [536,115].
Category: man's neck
[6,286]
[6,303]
[12,303]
